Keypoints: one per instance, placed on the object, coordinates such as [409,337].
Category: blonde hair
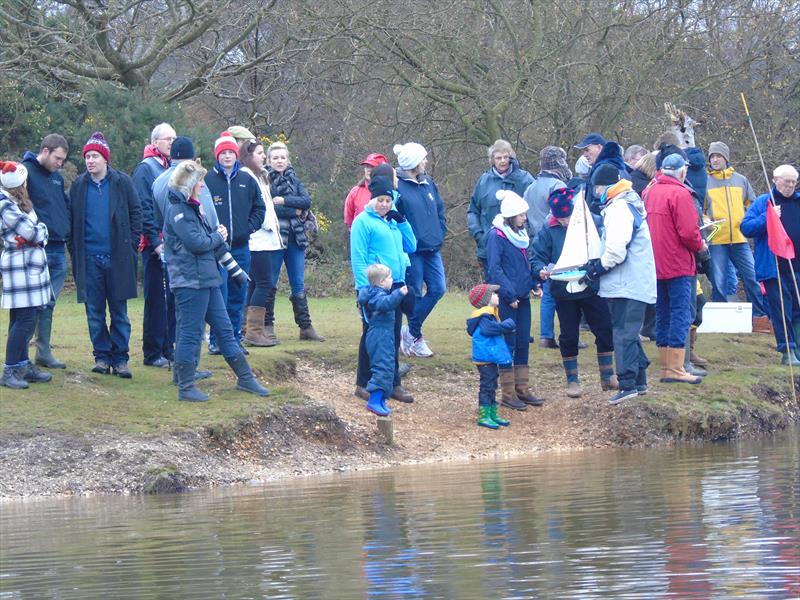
[278,146]
[377,273]
[501,146]
[647,164]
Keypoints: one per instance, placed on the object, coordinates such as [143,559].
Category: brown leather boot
[309,334]
[508,393]
[521,385]
[675,371]
[696,360]
[255,328]
[762,325]
[269,333]
[401,394]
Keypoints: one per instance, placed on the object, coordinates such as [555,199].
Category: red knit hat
[225,141]
[99,144]
[480,295]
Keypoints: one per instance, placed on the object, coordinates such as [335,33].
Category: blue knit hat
[182,148]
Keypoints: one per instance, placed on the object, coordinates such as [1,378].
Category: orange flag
[777,240]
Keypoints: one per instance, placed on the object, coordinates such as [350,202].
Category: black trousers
[487,387]
[595,309]
[22,322]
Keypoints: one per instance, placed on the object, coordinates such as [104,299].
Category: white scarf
[518,238]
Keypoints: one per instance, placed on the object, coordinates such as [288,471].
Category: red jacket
[672,219]
[355,202]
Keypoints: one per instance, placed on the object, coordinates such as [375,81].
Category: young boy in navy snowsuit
[378,305]
[489,349]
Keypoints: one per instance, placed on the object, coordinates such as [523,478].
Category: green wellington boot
[485,418]
[496,418]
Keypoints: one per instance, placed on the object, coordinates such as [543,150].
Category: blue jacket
[487,331]
[484,205]
[508,267]
[754,225]
[421,204]
[547,247]
[189,245]
[378,308]
[373,239]
[237,200]
[46,191]
[611,154]
[143,176]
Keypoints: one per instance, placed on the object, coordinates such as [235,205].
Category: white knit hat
[409,155]
[511,203]
[12,175]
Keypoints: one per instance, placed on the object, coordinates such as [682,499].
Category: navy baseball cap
[592,138]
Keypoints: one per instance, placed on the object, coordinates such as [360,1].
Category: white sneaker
[420,348]
[406,341]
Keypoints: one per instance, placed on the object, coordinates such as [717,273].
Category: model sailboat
[581,244]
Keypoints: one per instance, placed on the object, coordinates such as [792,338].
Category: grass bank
[311,406]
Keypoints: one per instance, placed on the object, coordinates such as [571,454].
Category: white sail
[582,241]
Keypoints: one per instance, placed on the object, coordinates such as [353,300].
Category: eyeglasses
[166,139]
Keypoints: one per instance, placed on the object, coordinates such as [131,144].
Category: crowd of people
[214,242]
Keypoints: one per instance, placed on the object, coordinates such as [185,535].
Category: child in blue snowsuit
[378,306]
[489,349]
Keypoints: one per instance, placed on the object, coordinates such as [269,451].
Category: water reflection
[708,522]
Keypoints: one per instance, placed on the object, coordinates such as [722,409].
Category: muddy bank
[331,432]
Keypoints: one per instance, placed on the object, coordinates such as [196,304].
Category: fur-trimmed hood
[187,174]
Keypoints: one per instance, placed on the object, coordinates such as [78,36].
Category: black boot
[44,353]
[303,318]
[184,372]
[246,380]
[269,318]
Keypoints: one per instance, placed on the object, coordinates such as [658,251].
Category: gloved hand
[594,270]
[241,277]
[395,215]
[508,325]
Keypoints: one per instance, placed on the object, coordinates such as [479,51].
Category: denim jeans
[425,267]
[158,322]
[260,278]
[547,313]
[21,323]
[674,311]
[294,257]
[57,265]
[487,386]
[519,340]
[194,308]
[233,294]
[742,258]
[791,309]
[627,316]
[109,344]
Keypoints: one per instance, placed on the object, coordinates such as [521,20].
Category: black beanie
[385,170]
[605,174]
[664,150]
[380,186]
[182,148]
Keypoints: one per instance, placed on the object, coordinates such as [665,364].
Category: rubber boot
[184,372]
[32,374]
[571,369]
[508,394]
[675,371]
[269,318]
[485,418]
[605,362]
[377,405]
[255,328]
[44,353]
[303,318]
[496,418]
[687,363]
[13,377]
[246,380]
[789,356]
[522,387]
[697,361]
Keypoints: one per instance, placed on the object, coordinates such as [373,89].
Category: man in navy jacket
[46,191]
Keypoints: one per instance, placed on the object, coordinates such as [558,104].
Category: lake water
[714,521]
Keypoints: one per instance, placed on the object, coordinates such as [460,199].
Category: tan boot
[675,371]
[663,361]
[521,386]
[255,328]
[696,360]
[762,325]
[508,394]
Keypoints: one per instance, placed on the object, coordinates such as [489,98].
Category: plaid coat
[23,263]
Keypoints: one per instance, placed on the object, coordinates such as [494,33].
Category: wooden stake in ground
[777,266]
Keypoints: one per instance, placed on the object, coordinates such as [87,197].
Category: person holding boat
[573,300]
